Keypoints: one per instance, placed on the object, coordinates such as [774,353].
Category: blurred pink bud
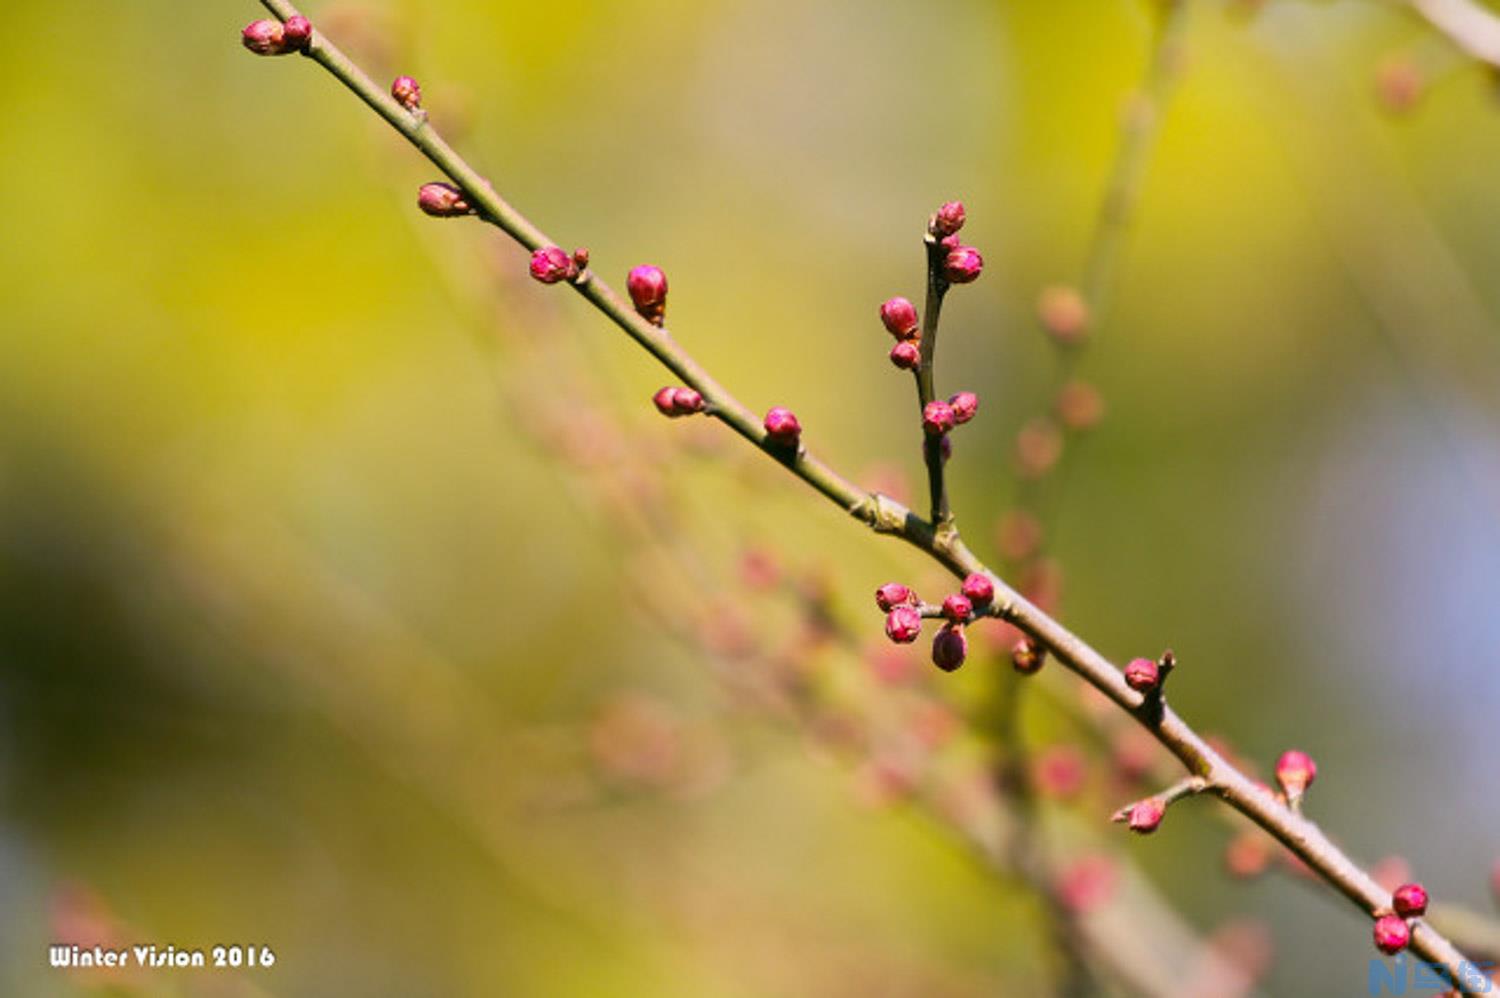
[964,405]
[1389,872]
[1399,84]
[1079,406]
[1142,675]
[1410,900]
[1018,535]
[1027,657]
[1295,771]
[296,33]
[937,418]
[1038,446]
[963,265]
[551,264]
[782,426]
[892,595]
[979,589]
[648,291]
[1087,884]
[1248,854]
[900,318]
[906,355]
[957,608]
[947,220]
[1063,313]
[1392,934]
[903,624]
[442,201]
[949,648]
[265,37]
[407,93]
[1059,772]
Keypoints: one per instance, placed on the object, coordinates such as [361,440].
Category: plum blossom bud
[957,608]
[906,355]
[963,265]
[1392,934]
[1088,884]
[265,37]
[903,624]
[949,648]
[1295,772]
[581,257]
[1410,900]
[900,318]
[648,291]
[1142,675]
[1144,816]
[407,93]
[937,418]
[892,595]
[1079,406]
[666,401]
[1027,657]
[947,220]
[1063,313]
[673,402]
[782,426]
[964,405]
[443,201]
[551,264]
[296,33]
[979,589]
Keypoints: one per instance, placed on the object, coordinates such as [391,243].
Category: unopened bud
[407,93]
[648,291]
[906,355]
[1142,675]
[963,265]
[1410,900]
[671,401]
[782,426]
[1028,657]
[443,201]
[937,418]
[979,589]
[947,220]
[265,37]
[892,595]
[1295,772]
[950,647]
[296,33]
[903,624]
[1392,934]
[957,608]
[551,264]
[1144,816]
[1063,313]
[899,317]
[1079,405]
[964,405]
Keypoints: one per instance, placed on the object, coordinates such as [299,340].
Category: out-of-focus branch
[1467,25]
[884,515]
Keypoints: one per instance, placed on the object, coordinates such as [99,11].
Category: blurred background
[354,602]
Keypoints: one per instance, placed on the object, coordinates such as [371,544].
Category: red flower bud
[296,33]
[979,589]
[1027,657]
[947,220]
[675,402]
[265,37]
[648,291]
[1295,771]
[892,595]
[442,201]
[903,624]
[1410,900]
[782,426]
[551,264]
[1144,816]
[964,405]
[900,318]
[906,355]
[937,418]
[1392,934]
[407,93]
[666,401]
[1142,675]
[957,608]
[963,265]
[949,648]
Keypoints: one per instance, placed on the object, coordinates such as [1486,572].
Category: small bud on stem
[964,406]
[648,292]
[949,648]
[782,426]
[892,595]
[407,93]
[903,624]
[1392,934]
[551,264]
[979,589]
[1295,772]
[906,355]
[1028,657]
[443,201]
[296,33]
[957,608]
[1142,675]
[899,317]
[1410,900]
[937,418]
[963,265]
[947,220]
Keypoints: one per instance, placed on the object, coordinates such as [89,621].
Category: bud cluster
[271,37]
[1393,927]
[673,402]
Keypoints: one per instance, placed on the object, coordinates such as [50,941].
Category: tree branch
[884,515]
[1469,26]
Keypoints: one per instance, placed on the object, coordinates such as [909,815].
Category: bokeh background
[330,618]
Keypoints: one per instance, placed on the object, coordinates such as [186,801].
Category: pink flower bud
[949,648]
[947,220]
[1088,884]
[687,400]
[1144,816]
[906,355]
[903,624]
[900,318]
[648,291]
[1392,934]
[892,595]
[782,426]
[1142,675]
[1027,657]
[979,589]
[1063,313]
[581,257]
[963,265]
[1410,900]
[957,608]
[964,405]
[666,401]
[551,264]
[1079,405]
[407,93]
[442,201]
[265,37]
[1295,771]
[296,33]
[937,418]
